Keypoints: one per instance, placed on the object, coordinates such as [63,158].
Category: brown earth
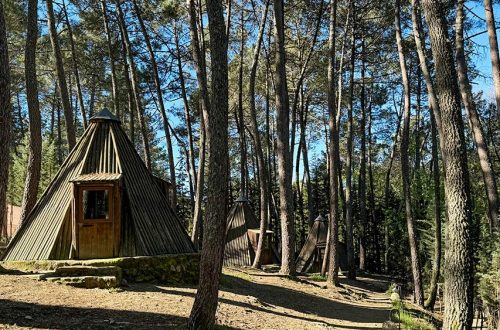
[249,299]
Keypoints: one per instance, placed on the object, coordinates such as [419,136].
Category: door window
[95,204]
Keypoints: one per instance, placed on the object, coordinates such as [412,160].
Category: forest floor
[248,299]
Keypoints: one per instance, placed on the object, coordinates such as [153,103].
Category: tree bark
[494,57]
[333,146]
[458,292]
[261,163]
[387,183]
[436,262]
[362,166]
[351,267]
[405,165]
[61,77]
[75,68]
[197,213]
[134,81]
[187,114]
[114,84]
[283,150]
[35,120]
[205,304]
[487,170]
[5,119]
[161,103]
[241,126]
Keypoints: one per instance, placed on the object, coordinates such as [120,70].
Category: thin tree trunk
[134,81]
[351,267]
[197,213]
[494,57]
[458,272]
[405,165]
[163,112]
[114,84]
[5,120]
[436,262]
[261,163]
[333,146]
[387,183]
[241,126]
[205,304]
[283,150]
[61,77]
[75,67]
[35,120]
[187,113]
[487,170]
[362,166]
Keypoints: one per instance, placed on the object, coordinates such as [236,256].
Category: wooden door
[95,222]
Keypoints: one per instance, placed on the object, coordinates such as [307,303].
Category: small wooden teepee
[102,203]
[242,236]
[311,255]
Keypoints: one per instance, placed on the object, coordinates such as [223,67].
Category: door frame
[114,215]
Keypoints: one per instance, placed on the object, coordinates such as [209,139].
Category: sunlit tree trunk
[114,84]
[161,103]
[333,146]
[61,77]
[494,56]
[35,121]
[405,165]
[205,303]
[283,150]
[134,82]
[74,63]
[458,268]
[5,119]
[487,170]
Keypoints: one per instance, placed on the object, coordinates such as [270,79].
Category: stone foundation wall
[167,269]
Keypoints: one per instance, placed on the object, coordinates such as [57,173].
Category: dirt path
[248,300]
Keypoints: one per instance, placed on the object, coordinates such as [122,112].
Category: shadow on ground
[34,315]
[265,298]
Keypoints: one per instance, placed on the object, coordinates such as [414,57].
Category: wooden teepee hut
[102,203]
[242,237]
[311,255]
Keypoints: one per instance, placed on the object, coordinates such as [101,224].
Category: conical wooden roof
[238,250]
[103,153]
[317,238]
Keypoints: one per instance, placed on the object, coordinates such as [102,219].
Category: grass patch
[317,278]
[409,318]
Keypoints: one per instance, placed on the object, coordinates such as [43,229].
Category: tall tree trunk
[61,77]
[75,67]
[283,150]
[405,165]
[163,112]
[205,304]
[362,166]
[487,170]
[458,268]
[494,57]
[241,126]
[333,146]
[114,84]
[387,183]
[35,122]
[436,262]
[373,216]
[187,114]
[134,82]
[351,267]
[197,213]
[5,119]
[261,163]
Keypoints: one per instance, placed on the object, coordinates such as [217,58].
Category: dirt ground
[248,299]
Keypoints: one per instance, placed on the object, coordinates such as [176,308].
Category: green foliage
[408,318]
